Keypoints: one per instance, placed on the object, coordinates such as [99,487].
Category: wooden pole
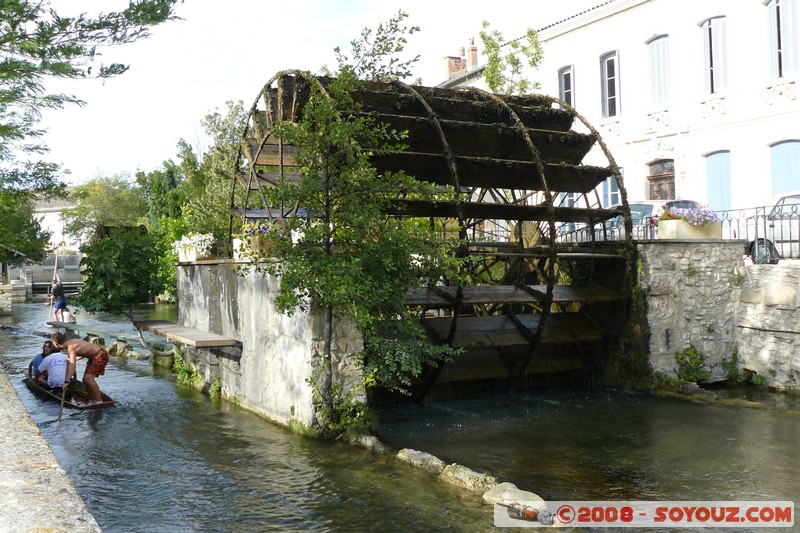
[50,315]
[63,392]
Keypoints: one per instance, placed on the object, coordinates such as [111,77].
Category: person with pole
[96,360]
[59,298]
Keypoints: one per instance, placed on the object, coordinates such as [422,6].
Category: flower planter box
[190,254]
[260,245]
[680,229]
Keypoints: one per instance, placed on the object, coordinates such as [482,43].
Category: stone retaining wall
[5,299]
[768,336]
[738,315]
[269,372]
[692,294]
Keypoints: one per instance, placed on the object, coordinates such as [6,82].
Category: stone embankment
[35,493]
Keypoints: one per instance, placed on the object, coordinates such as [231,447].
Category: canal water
[170,459]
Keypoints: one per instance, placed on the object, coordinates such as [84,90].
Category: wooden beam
[185,335]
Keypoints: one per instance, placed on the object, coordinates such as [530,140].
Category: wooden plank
[511,294]
[496,141]
[500,331]
[185,335]
[494,173]
[498,211]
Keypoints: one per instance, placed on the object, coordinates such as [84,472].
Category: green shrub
[692,365]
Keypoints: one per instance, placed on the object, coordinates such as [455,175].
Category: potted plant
[194,246]
[254,241]
[689,223]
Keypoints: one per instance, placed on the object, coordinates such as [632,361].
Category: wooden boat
[77,396]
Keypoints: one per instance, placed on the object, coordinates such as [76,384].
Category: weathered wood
[497,211]
[497,141]
[496,331]
[185,335]
[509,294]
[494,173]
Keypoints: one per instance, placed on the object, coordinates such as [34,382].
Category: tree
[120,272]
[374,54]
[22,239]
[208,189]
[36,43]
[110,201]
[503,73]
[344,254]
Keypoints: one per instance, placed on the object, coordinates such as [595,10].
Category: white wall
[753,112]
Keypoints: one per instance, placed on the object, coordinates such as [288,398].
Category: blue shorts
[60,303]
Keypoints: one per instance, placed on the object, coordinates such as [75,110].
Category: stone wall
[268,373]
[768,337]
[692,294]
[5,299]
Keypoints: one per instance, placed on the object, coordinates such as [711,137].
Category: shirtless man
[96,359]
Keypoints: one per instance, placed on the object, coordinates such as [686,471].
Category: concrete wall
[278,353]
[692,294]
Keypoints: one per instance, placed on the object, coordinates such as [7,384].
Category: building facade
[696,99]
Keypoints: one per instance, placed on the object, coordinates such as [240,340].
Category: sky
[227,50]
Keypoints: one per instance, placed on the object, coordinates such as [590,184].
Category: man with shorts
[59,299]
[96,359]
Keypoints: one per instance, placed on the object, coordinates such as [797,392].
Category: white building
[48,212]
[696,99]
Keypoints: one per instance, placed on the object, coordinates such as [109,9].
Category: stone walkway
[35,493]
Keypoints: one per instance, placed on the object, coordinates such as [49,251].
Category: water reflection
[611,445]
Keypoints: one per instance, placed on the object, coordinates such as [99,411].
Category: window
[783,37]
[609,65]
[610,192]
[715,56]
[659,69]
[566,89]
[785,166]
[718,180]
[661,175]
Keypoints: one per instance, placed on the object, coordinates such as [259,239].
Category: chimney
[455,64]
[472,54]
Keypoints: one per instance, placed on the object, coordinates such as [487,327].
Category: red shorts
[97,364]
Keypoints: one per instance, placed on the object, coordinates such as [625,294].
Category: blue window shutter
[785,166]
[718,179]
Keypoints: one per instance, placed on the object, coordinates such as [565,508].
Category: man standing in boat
[96,360]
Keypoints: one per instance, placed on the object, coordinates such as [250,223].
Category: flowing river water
[169,459]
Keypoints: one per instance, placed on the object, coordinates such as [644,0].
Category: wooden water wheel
[527,210]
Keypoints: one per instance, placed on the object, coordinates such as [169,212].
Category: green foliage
[22,239]
[339,411]
[758,379]
[503,73]
[731,367]
[215,390]
[185,374]
[104,201]
[663,381]
[691,365]
[400,353]
[374,55]
[343,253]
[119,272]
[37,44]
[161,189]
